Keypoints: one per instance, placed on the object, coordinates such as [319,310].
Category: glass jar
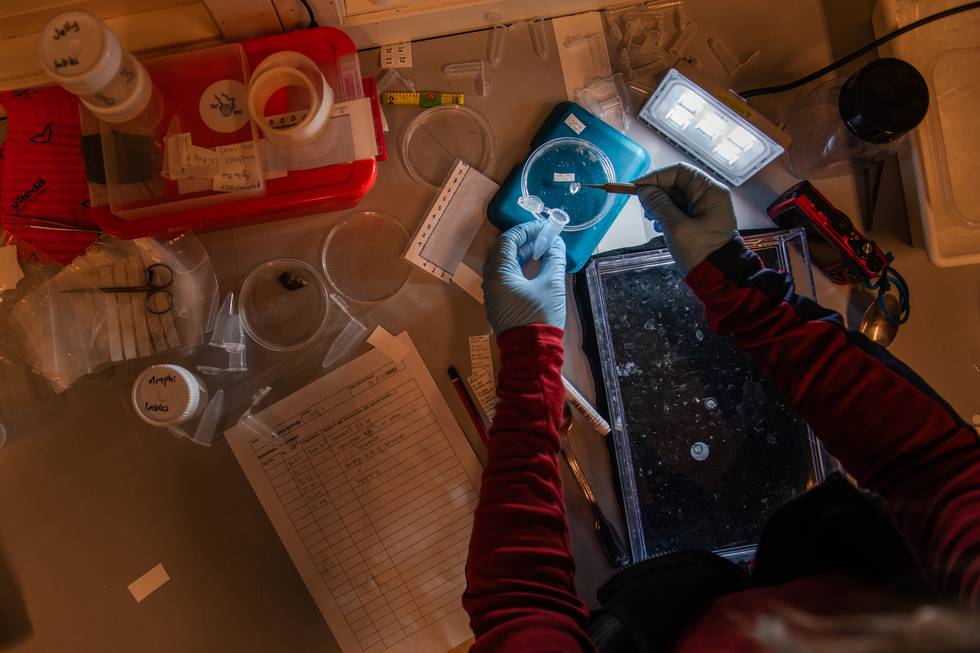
[842,126]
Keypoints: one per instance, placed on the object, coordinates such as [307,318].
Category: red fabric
[877,419]
[520,573]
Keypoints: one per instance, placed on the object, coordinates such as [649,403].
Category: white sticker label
[564,176]
[397,55]
[575,124]
[222,106]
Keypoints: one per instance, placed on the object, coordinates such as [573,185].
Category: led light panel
[708,129]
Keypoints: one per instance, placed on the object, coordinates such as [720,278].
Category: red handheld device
[837,248]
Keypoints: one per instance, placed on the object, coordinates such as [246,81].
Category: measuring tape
[424,99]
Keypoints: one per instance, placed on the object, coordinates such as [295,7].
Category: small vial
[495,45]
[680,41]
[477,69]
[539,38]
[614,31]
[554,223]
[724,56]
[574,187]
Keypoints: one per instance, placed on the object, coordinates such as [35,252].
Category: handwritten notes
[371,485]
[481,378]
[226,168]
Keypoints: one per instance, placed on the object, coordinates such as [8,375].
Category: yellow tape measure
[423,99]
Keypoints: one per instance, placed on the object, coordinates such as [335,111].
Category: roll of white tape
[281,70]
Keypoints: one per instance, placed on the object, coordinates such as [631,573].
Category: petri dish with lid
[362,256]
[284,304]
[552,181]
[437,137]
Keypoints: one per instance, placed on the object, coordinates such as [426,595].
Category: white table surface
[90,498]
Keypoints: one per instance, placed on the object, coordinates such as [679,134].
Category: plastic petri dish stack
[554,174]
[362,257]
[437,137]
[284,304]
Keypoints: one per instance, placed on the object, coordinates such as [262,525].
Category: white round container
[168,395]
[79,52]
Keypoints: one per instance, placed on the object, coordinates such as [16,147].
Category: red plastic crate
[301,192]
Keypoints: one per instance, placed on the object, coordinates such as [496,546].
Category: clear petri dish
[437,137]
[553,173]
[284,304]
[362,257]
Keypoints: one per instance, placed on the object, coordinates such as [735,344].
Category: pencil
[468,404]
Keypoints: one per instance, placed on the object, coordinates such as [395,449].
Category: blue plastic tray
[629,160]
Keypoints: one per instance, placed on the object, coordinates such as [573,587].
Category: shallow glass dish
[362,257]
[554,173]
[284,304]
[437,137]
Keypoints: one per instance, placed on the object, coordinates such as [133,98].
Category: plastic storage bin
[940,166]
[300,192]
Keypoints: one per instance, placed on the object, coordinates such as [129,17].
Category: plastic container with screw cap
[168,396]
[843,125]
[79,52]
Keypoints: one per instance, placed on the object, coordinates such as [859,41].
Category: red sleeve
[520,573]
[888,428]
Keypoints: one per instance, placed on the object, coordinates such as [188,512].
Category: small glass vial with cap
[168,396]
[79,52]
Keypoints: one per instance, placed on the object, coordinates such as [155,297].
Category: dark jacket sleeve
[520,573]
[888,428]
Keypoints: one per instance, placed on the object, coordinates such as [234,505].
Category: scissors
[159,300]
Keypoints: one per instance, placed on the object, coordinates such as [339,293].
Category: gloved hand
[513,300]
[695,211]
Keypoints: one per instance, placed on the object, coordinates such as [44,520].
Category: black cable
[789,86]
[309,10]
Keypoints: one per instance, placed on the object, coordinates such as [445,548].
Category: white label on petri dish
[575,124]
[564,176]
[223,107]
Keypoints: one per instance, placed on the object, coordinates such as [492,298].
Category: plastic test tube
[495,46]
[471,68]
[79,52]
[681,40]
[554,222]
[539,38]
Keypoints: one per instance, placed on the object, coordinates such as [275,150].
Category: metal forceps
[158,300]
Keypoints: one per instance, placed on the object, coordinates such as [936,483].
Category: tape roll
[282,70]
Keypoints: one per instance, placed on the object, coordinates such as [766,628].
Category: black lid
[883,100]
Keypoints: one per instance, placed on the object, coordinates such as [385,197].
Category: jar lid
[79,51]
[166,395]
[884,100]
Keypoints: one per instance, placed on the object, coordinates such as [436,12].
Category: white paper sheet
[451,223]
[372,491]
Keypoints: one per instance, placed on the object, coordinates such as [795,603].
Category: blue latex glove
[695,211]
[513,300]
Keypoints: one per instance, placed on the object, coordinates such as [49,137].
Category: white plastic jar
[168,396]
[79,52]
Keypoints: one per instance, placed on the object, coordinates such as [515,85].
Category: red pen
[464,396]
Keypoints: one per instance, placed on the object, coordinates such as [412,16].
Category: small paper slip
[452,222]
[372,491]
[238,168]
[482,377]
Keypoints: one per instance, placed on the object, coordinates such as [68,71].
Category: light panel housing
[713,126]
